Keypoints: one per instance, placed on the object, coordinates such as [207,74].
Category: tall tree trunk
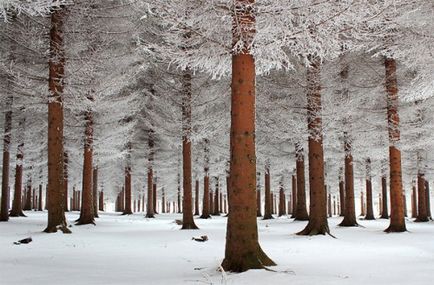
[216,198]
[28,201]
[17,210]
[4,209]
[414,201]
[95,191]
[127,192]
[65,167]
[56,183]
[163,201]
[150,213]
[428,202]
[205,198]
[196,198]
[301,210]
[187,208]
[294,196]
[350,209]
[154,195]
[318,208]
[342,195]
[40,198]
[384,207]
[369,199]
[397,218]
[243,251]
[101,201]
[258,196]
[282,202]
[87,211]
[268,210]
[422,214]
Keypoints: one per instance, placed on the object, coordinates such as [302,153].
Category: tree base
[82,221]
[421,220]
[396,229]
[268,217]
[255,260]
[349,222]
[205,217]
[301,219]
[370,218]
[312,230]
[127,213]
[189,226]
[15,215]
[54,229]
[150,216]
[384,217]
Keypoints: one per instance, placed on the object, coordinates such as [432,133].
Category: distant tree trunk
[150,213]
[65,167]
[294,196]
[56,183]
[318,208]
[428,202]
[301,210]
[101,201]
[196,198]
[422,215]
[205,198]
[163,201]
[385,210]
[242,251]
[362,204]
[154,195]
[187,209]
[179,210]
[404,198]
[28,204]
[127,192]
[95,191]
[4,209]
[282,202]
[268,210]
[258,196]
[397,218]
[329,204]
[369,199]
[216,198]
[342,196]
[40,198]
[211,199]
[17,210]
[87,211]
[413,202]
[350,209]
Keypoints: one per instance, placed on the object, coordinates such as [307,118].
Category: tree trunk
[216,198]
[17,210]
[397,218]
[163,201]
[243,251]
[87,211]
[369,198]
[65,169]
[428,202]
[154,195]
[268,210]
[40,198]
[384,207]
[56,183]
[196,198]
[350,209]
[342,196]
[258,197]
[101,201]
[205,199]
[422,214]
[95,191]
[300,210]
[150,201]
[187,209]
[4,209]
[414,202]
[127,192]
[318,208]
[282,202]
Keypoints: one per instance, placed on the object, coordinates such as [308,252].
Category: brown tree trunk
[428,202]
[422,215]
[127,192]
[362,203]
[294,196]
[154,195]
[397,217]
[95,191]
[40,198]
[65,167]
[318,208]
[342,196]
[87,211]
[258,197]
[369,198]
[282,202]
[205,198]
[101,201]
[150,201]
[350,209]
[28,204]
[17,210]
[163,201]
[300,210]
[187,208]
[384,207]
[56,183]
[243,251]
[216,198]
[268,210]
[5,195]
[414,202]
[196,198]
[329,204]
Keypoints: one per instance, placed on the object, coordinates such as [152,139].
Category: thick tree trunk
[422,214]
[5,197]
[87,211]
[196,198]
[301,210]
[384,207]
[369,198]
[268,210]
[243,251]
[318,207]
[95,191]
[397,217]
[56,183]
[342,196]
[127,192]
[187,207]
[350,209]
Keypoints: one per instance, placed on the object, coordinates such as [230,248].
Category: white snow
[135,250]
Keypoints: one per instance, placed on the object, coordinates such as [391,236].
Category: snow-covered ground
[135,250]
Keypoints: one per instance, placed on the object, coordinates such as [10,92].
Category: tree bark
[268,210]
[101,201]
[397,217]
[300,210]
[384,207]
[127,192]
[342,196]
[422,214]
[369,198]
[187,209]
[282,202]
[56,183]
[4,209]
[17,210]
[258,196]
[216,205]
[428,202]
[205,198]
[95,191]
[154,195]
[65,167]
[318,209]
[196,198]
[150,213]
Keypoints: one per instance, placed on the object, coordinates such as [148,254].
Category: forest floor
[135,250]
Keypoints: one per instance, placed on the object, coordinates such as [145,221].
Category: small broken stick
[201,238]
[24,241]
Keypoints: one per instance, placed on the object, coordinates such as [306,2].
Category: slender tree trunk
[17,210]
[414,202]
[342,196]
[196,198]
[150,204]
[216,198]
[65,167]
[56,183]
[369,198]
[428,202]
[87,211]
[318,208]
[187,209]
[301,210]
[268,210]
[205,198]
[127,192]
[40,198]
[4,209]
[243,251]
[154,195]
[163,201]
[385,210]
[362,204]
[95,191]
[397,217]
[294,196]
[282,202]
[101,201]
[422,214]
[329,204]
[258,196]
[350,209]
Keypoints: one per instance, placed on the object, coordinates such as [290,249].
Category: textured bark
[205,198]
[216,205]
[65,169]
[95,192]
[342,196]
[5,195]
[268,209]
[422,213]
[127,192]
[196,198]
[87,211]
[187,207]
[397,217]
[301,210]
[318,208]
[369,198]
[384,207]
[28,200]
[242,251]
[428,200]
